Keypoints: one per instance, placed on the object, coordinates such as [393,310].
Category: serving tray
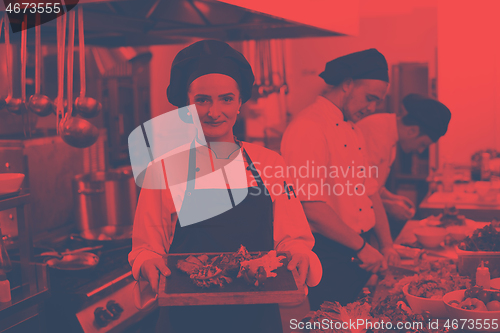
[179,290]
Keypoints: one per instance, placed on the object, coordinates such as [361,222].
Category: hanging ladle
[4,100]
[14,105]
[39,104]
[58,108]
[61,38]
[86,107]
[3,103]
[76,132]
[59,104]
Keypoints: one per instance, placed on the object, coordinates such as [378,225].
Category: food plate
[179,290]
[473,317]
[435,307]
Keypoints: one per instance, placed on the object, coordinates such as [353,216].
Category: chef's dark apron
[250,223]
[342,280]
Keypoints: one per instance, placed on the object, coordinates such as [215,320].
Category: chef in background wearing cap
[422,121]
[342,208]
[218,80]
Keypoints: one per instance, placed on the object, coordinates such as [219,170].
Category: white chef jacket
[381,136]
[319,137]
[156,214]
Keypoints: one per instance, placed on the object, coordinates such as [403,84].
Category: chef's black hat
[430,115]
[206,57]
[367,64]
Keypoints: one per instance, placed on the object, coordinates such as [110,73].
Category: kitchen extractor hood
[155,22]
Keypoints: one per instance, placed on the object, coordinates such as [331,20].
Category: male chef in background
[344,207]
[422,122]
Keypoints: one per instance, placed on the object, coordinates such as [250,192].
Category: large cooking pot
[105,204]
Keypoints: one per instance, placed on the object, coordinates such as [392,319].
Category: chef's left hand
[391,255]
[300,262]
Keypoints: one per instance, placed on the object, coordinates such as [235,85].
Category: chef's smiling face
[362,97]
[217,100]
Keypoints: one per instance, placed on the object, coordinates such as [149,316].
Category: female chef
[218,79]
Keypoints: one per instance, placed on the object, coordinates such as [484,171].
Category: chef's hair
[410,120]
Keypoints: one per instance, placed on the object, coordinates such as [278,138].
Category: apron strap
[254,171]
[191,168]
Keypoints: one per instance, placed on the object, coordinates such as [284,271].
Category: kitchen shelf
[32,288]
[20,202]
[15,201]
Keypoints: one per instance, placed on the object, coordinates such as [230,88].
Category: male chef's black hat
[206,57]
[367,64]
[431,116]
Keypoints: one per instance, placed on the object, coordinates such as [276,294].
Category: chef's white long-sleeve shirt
[156,213]
[381,136]
[331,153]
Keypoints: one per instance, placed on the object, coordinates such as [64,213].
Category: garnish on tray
[256,271]
[485,239]
[222,269]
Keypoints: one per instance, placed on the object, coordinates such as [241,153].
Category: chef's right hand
[372,260]
[151,270]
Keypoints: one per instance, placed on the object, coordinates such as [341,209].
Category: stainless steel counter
[466,199]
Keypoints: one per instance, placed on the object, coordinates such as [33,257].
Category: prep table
[463,197]
[381,291]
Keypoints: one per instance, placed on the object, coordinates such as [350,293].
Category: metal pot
[105,204]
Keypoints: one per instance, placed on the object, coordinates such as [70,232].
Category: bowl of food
[430,237]
[10,182]
[482,246]
[433,304]
[474,308]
